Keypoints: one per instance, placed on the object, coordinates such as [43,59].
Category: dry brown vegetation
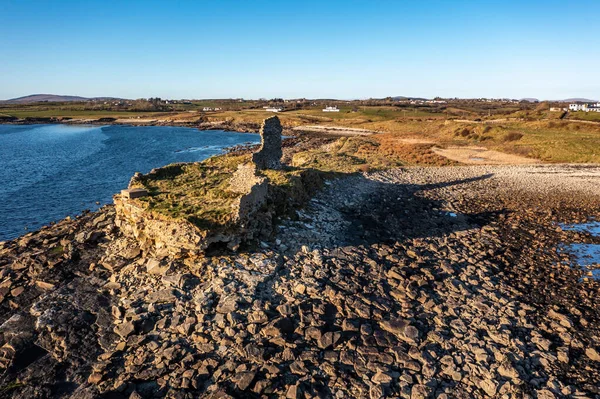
[360,153]
[526,129]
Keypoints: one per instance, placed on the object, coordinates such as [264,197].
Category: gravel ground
[412,283]
[450,190]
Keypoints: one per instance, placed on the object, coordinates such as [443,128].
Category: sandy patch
[411,140]
[482,156]
[136,120]
[336,130]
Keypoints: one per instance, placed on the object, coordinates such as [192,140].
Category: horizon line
[84,98]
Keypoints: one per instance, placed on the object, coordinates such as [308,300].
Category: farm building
[585,107]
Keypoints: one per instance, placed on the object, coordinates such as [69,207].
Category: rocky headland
[442,282]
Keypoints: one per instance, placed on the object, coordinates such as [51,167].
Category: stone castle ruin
[270,153]
[246,181]
[250,214]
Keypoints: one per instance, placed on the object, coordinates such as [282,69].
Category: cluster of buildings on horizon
[281,109]
[585,107]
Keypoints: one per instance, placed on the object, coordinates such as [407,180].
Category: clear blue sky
[342,49]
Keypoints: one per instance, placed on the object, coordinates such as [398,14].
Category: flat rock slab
[133,193]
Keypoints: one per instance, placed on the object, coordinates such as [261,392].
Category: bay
[48,172]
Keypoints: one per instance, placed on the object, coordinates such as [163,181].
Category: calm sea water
[48,172]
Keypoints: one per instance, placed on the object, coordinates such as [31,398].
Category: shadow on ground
[357,210]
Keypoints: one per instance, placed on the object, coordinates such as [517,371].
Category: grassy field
[547,141]
[195,192]
[585,116]
[367,153]
[347,117]
[530,131]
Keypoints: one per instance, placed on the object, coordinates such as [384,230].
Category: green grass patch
[199,192]
[196,192]
[557,145]
[57,250]
[548,141]
[585,116]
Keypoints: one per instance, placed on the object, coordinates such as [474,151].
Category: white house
[578,107]
[585,107]
[207,109]
[331,109]
[274,109]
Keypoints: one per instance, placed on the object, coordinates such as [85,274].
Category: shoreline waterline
[58,170]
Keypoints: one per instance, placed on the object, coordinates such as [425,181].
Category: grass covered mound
[195,192]
[199,192]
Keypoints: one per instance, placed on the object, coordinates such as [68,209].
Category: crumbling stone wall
[270,153]
[245,178]
[251,216]
[157,234]
[254,189]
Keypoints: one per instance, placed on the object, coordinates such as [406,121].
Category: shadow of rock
[358,210]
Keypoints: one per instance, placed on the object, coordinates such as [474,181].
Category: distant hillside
[531,100]
[400,98]
[575,100]
[53,98]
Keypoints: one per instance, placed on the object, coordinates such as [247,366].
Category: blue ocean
[48,172]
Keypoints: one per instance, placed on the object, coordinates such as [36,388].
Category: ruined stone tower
[269,155]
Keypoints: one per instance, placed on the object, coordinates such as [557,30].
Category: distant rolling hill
[400,98]
[34,98]
[530,100]
[577,100]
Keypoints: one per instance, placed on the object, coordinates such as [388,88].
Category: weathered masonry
[247,192]
[269,155]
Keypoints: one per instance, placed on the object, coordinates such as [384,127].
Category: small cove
[53,171]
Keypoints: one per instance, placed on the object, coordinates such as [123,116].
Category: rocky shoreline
[415,283]
[219,125]
[232,126]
